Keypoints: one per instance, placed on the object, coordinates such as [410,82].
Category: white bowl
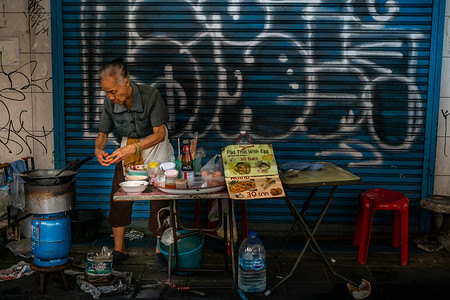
[134,186]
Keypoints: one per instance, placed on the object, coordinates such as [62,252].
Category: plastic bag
[20,248]
[16,185]
[212,171]
[214,215]
[19,270]
[17,192]
[220,231]
[4,199]
[199,154]
[163,223]
[167,236]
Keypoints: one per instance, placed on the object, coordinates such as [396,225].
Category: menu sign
[249,160]
[251,172]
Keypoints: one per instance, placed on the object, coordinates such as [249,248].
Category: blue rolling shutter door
[341,82]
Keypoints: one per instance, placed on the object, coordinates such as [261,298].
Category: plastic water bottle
[252,264]
[243,138]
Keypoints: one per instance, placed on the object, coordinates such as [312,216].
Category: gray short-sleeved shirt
[148,110]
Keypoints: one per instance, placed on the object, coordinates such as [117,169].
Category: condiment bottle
[153,169]
[171,176]
[243,138]
[181,183]
[187,163]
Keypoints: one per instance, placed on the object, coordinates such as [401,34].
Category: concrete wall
[442,172]
[26,102]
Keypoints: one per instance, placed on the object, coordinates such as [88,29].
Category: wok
[48,176]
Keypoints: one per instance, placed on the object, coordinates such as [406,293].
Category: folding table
[153,194]
[330,175]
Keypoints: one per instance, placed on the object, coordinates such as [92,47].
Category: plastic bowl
[134,186]
[136,177]
[139,167]
[171,173]
[167,166]
[138,172]
[189,252]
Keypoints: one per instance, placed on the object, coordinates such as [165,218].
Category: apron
[162,152]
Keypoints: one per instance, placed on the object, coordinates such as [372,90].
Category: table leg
[173,248]
[293,210]
[167,284]
[304,227]
[308,201]
[174,232]
[291,231]
[233,261]
[64,282]
[299,218]
[223,223]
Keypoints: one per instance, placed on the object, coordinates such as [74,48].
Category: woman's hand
[103,158]
[123,152]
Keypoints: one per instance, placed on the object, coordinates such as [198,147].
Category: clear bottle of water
[243,138]
[252,264]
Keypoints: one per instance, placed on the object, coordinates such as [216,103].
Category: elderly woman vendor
[139,114]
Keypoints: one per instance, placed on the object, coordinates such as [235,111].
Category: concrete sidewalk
[425,277]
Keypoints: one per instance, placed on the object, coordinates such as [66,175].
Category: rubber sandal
[161,262]
[119,257]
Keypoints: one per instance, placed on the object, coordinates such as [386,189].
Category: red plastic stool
[382,199]
[212,224]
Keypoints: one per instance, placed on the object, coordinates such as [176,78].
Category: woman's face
[116,93]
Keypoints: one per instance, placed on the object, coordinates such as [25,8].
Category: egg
[217,174]
[204,173]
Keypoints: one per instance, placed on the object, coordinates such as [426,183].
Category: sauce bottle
[187,164]
[243,138]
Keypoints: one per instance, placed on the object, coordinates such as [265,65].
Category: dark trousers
[120,211]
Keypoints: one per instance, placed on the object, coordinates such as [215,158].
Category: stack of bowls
[138,172]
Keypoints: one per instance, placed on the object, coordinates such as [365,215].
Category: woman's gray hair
[115,68]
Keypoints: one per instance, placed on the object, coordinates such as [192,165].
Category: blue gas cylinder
[50,239]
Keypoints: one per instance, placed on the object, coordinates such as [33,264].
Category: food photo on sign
[251,172]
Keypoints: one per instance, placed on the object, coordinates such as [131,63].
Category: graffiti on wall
[38,20]
[266,67]
[15,133]
[445,114]
[17,84]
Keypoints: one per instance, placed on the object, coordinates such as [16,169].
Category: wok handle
[67,167]
[79,164]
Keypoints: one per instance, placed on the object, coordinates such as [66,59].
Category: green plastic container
[189,252]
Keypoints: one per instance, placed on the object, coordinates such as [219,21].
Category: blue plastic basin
[189,252]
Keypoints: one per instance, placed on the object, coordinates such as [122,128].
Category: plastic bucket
[85,223]
[189,252]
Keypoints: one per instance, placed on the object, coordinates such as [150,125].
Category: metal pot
[49,199]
